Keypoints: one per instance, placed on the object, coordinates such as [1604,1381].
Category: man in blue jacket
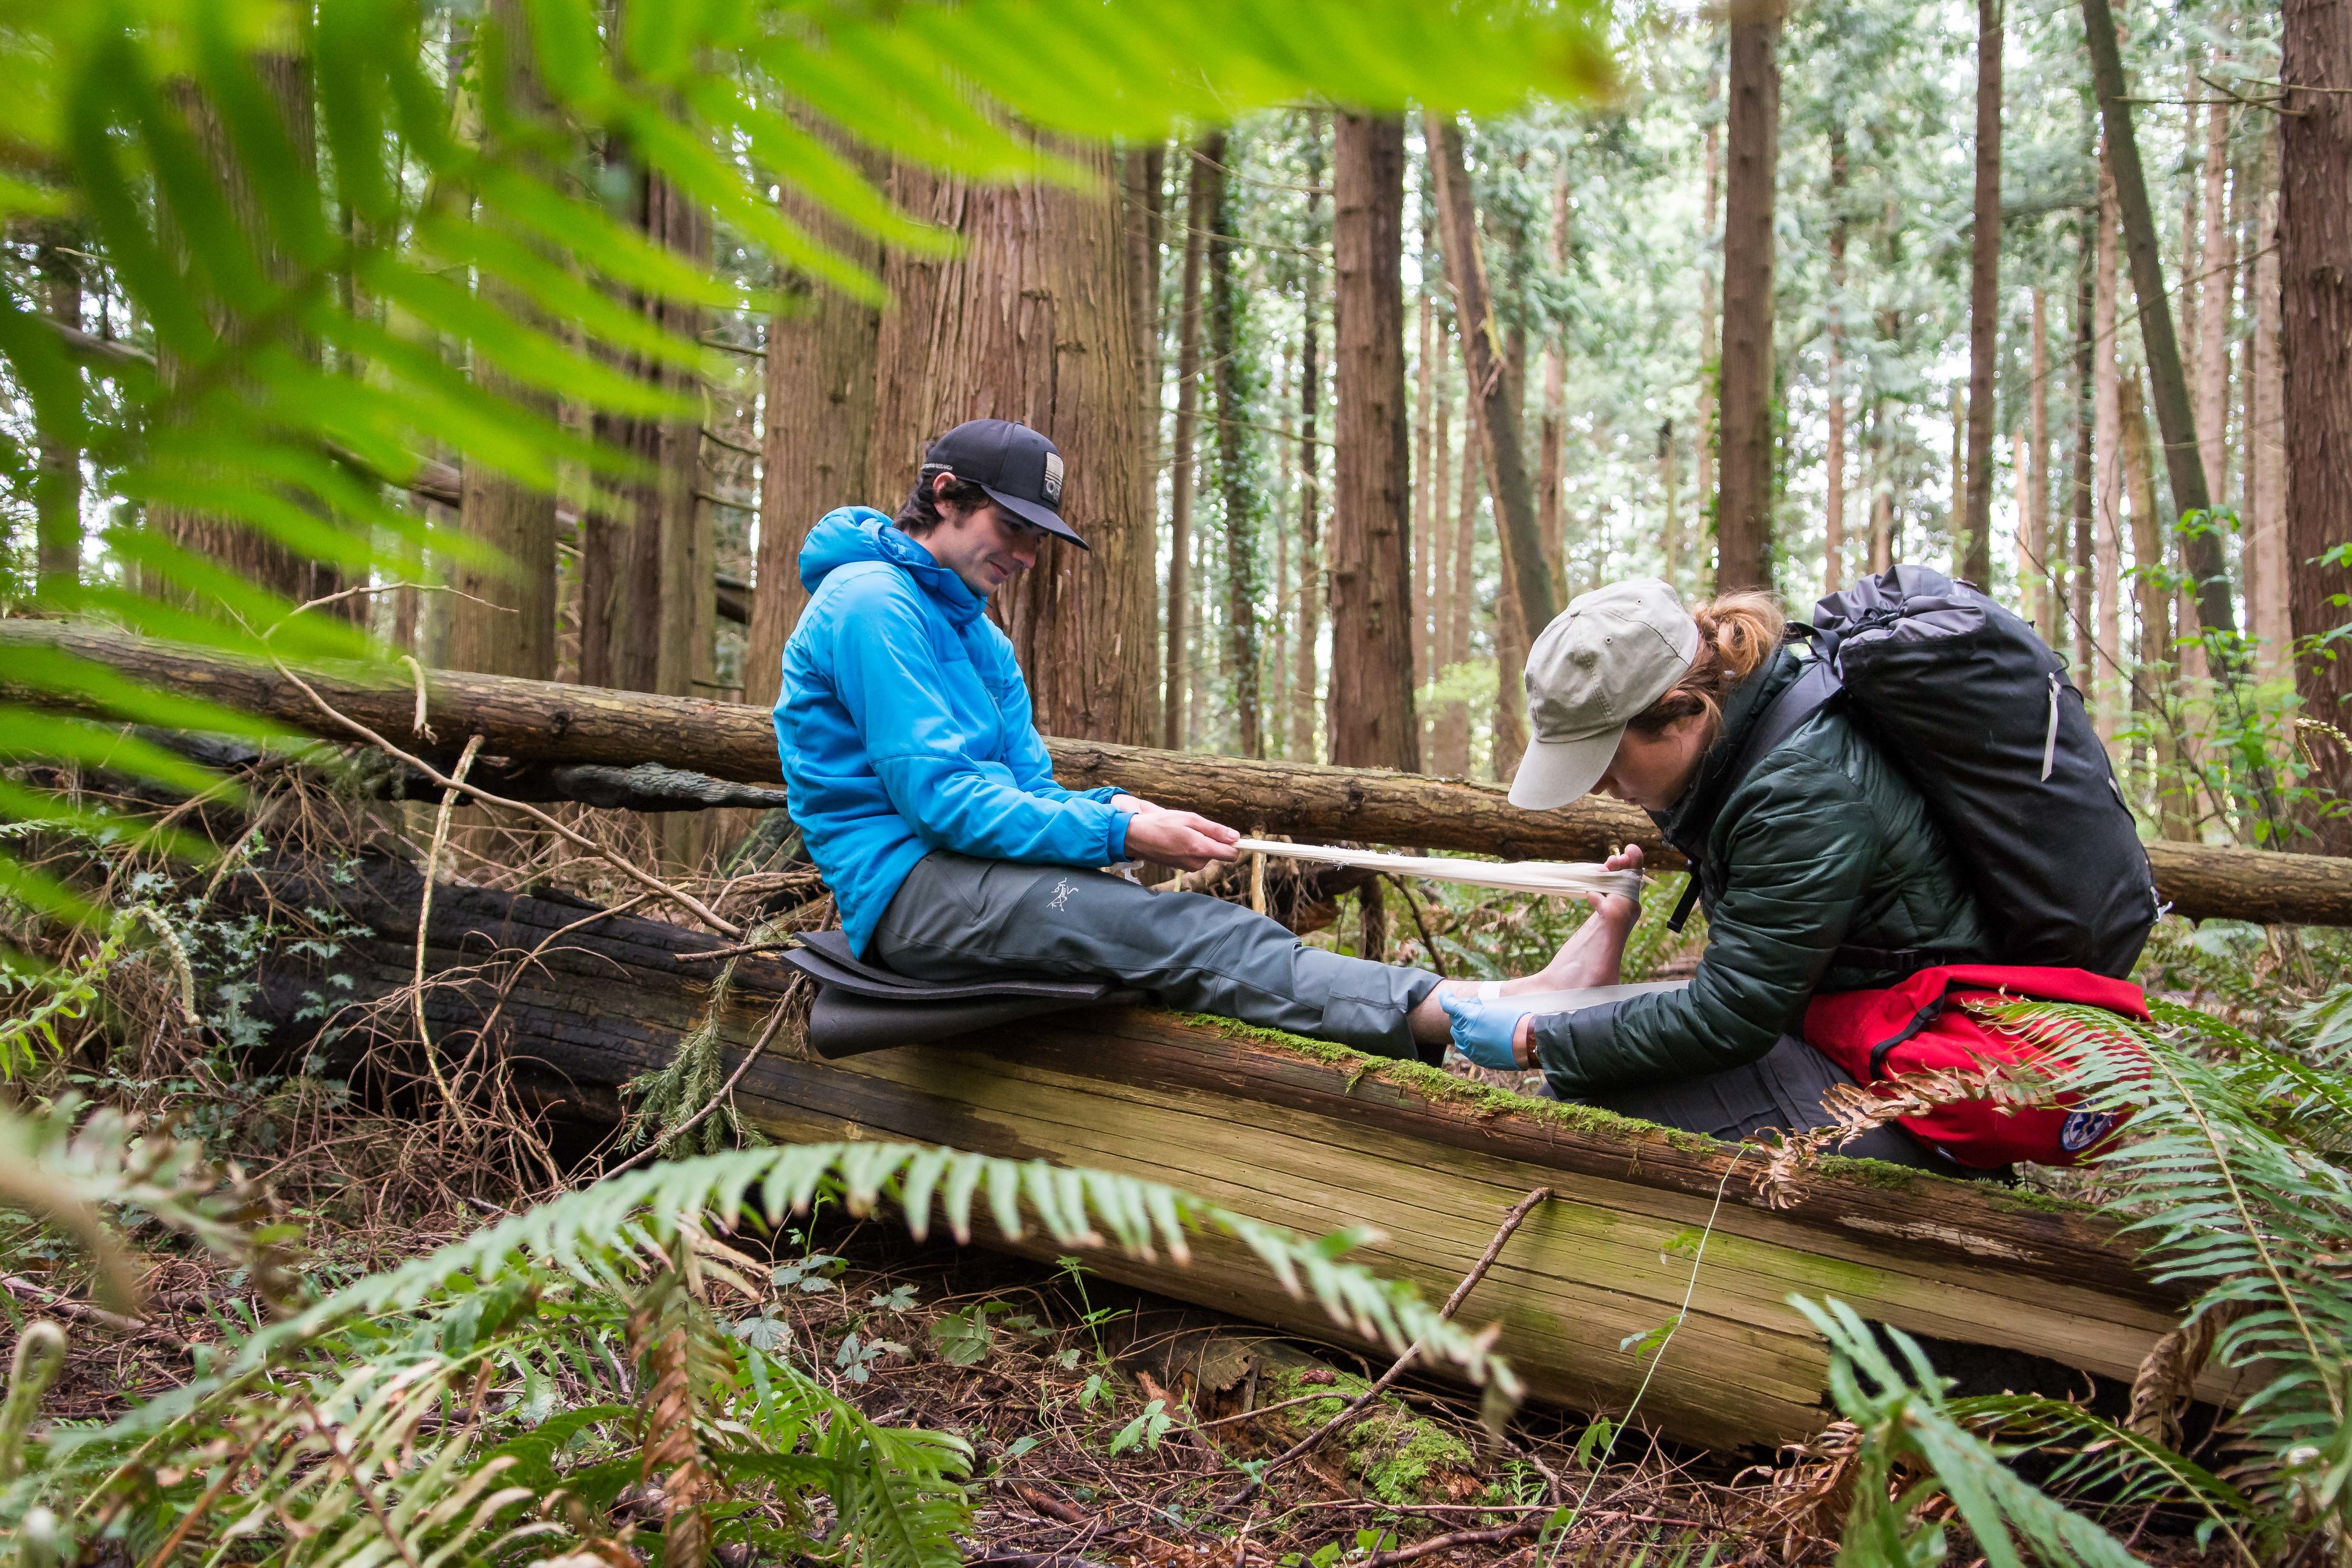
[925,795]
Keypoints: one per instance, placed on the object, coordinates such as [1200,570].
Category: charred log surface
[547,722]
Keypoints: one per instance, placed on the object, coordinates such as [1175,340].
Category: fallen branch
[424,923]
[1458,1537]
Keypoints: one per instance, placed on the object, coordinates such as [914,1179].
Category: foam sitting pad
[861,1006]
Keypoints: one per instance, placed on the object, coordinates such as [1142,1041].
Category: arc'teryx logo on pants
[1062,892]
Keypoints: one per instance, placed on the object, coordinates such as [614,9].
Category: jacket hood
[855,534]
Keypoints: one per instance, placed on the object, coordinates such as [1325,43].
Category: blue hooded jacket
[904,726]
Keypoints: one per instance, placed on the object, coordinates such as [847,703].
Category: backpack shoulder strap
[1810,692]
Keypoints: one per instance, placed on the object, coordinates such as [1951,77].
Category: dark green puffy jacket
[1821,869]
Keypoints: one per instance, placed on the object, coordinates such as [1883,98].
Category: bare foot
[1595,955]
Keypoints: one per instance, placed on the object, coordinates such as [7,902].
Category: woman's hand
[1492,1032]
[1179,838]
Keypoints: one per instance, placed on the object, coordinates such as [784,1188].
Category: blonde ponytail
[1737,635]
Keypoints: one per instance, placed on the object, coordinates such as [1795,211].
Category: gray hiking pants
[957,918]
[1782,1089]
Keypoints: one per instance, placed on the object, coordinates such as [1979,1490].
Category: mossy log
[546,721]
[1314,1137]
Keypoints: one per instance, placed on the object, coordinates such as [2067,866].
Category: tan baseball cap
[1607,657]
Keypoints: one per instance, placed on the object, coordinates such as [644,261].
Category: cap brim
[1043,516]
[1554,773]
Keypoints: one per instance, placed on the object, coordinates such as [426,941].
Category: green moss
[1436,1084]
[1398,1457]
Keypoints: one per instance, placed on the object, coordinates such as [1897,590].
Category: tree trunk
[646,568]
[1833,460]
[1454,727]
[2315,311]
[2036,517]
[2169,386]
[1184,460]
[1236,483]
[1369,716]
[2217,271]
[1428,490]
[2106,432]
[257,557]
[816,434]
[1984,300]
[2268,564]
[1710,350]
[1671,528]
[1552,504]
[57,488]
[1144,170]
[1305,679]
[502,617]
[2154,694]
[1495,395]
[1752,146]
[2082,493]
[1032,322]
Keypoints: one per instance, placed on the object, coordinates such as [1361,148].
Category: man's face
[985,546]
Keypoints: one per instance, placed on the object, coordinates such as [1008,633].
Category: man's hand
[1135,803]
[1177,838]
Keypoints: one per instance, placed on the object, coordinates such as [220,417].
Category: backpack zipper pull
[2050,736]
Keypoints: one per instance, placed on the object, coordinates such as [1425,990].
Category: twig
[578,840]
[1447,1543]
[417,726]
[1428,942]
[752,949]
[73,1306]
[775,1021]
[424,919]
[1511,1223]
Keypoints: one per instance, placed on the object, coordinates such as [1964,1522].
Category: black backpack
[1977,712]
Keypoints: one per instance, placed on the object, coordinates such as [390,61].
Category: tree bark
[2082,492]
[2154,685]
[2269,563]
[1710,349]
[1752,148]
[1183,461]
[531,721]
[1495,395]
[816,431]
[257,557]
[1984,295]
[1454,727]
[2316,312]
[2217,270]
[1236,484]
[1034,322]
[2106,433]
[1144,170]
[2036,518]
[1554,427]
[1306,681]
[502,618]
[1370,715]
[1670,531]
[1833,460]
[2169,386]
[1428,489]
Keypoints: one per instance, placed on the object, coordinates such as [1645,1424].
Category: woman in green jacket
[1819,865]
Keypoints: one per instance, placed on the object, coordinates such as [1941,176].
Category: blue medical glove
[1483,1029]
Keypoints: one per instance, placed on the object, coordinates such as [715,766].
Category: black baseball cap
[1019,469]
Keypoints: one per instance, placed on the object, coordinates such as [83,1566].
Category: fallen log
[1316,1138]
[547,722]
